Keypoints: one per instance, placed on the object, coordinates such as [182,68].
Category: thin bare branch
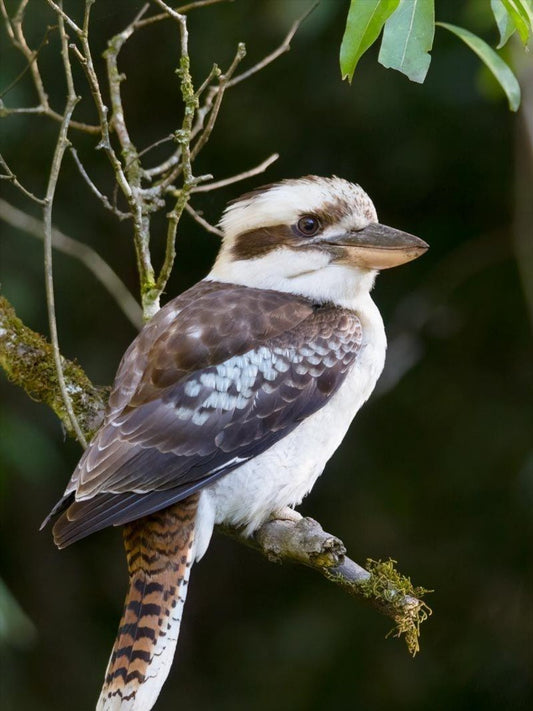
[182,10]
[61,145]
[58,9]
[7,21]
[12,178]
[86,61]
[30,55]
[175,158]
[203,222]
[236,178]
[155,144]
[15,31]
[199,3]
[283,47]
[175,15]
[213,74]
[85,254]
[132,171]
[49,113]
[213,114]
[19,42]
[183,138]
[103,198]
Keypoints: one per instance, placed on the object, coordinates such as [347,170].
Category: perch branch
[28,361]
[289,537]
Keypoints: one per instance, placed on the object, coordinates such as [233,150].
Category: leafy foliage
[494,62]
[408,32]
[408,39]
[365,22]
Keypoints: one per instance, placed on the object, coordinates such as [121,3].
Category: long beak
[377,246]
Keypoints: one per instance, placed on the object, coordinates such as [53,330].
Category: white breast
[286,472]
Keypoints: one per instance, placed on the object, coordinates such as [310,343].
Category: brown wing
[218,377]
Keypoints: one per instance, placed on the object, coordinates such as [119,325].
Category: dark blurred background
[437,470]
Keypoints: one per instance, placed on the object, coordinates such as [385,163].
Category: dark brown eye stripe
[257,243]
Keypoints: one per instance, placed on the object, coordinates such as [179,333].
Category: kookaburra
[230,401]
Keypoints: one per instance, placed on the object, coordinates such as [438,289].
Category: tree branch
[83,252]
[28,361]
[237,178]
[285,46]
[203,222]
[12,178]
[31,362]
[59,152]
[290,538]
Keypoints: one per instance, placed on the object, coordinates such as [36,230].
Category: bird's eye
[308,225]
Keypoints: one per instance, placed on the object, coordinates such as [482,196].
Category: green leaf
[521,11]
[408,37]
[493,61]
[365,21]
[504,21]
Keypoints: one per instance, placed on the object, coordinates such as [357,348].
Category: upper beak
[377,246]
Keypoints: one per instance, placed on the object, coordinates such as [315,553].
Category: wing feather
[219,375]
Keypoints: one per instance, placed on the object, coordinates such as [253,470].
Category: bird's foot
[285,514]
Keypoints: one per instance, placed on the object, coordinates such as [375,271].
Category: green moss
[389,589]
[28,361]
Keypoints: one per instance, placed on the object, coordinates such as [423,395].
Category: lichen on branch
[28,361]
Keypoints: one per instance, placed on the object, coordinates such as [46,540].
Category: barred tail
[159,549]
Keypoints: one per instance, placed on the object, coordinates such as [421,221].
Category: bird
[230,401]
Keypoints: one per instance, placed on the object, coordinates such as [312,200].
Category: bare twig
[155,144]
[199,3]
[12,178]
[15,31]
[18,40]
[236,178]
[58,9]
[183,137]
[223,83]
[86,61]
[85,254]
[31,56]
[181,10]
[283,47]
[175,158]
[203,222]
[103,198]
[48,113]
[59,152]
[132,172]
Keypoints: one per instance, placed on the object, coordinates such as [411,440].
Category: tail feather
[160,551]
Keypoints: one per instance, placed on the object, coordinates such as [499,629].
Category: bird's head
[319,237]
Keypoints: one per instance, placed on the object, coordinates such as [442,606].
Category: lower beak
[377,246]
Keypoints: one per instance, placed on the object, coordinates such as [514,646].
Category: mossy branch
[28,361]
[290,538]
